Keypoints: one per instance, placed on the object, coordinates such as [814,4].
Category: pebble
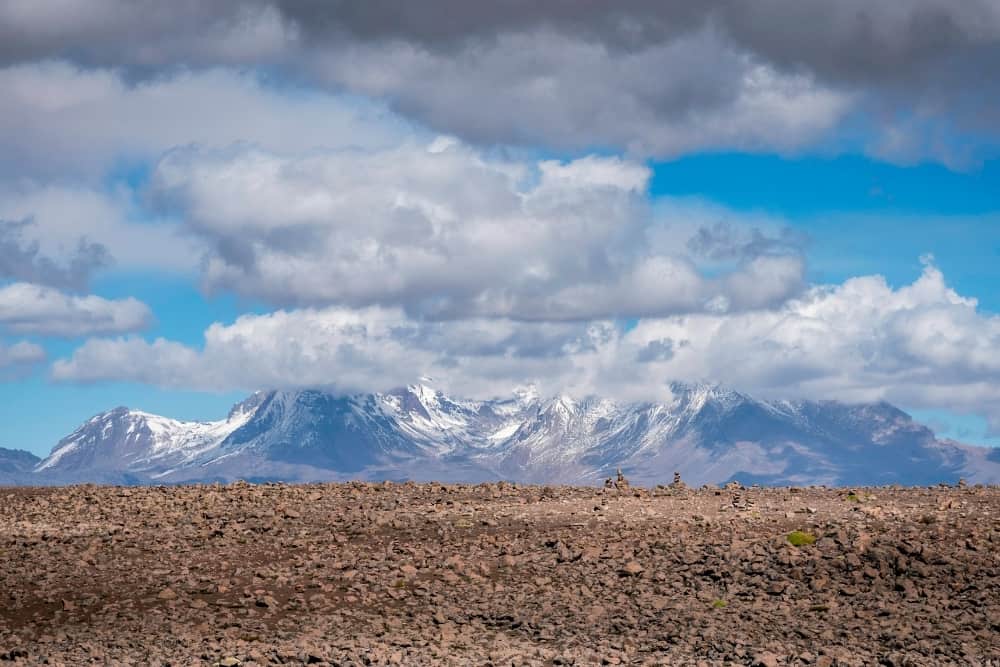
[361,573]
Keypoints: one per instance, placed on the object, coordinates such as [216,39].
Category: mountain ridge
[708,433]
[16,465]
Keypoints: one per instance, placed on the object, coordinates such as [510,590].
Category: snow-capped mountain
[131,446]
[707,433]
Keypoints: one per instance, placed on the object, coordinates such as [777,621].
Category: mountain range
[706,433]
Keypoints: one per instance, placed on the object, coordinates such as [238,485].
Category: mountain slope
[128,446]
[16,466]
[708,433]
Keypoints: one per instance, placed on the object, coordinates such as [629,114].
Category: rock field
[498,574]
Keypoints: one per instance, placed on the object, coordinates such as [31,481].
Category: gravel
[498,574]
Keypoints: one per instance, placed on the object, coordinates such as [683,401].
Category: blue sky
[518,200]
[862,215]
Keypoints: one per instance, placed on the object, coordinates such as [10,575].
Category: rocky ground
[499,574]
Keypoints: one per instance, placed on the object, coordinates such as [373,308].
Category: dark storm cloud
[846,40]
[143,34]
[22,260]
[850,40]
[662,63]
[655,77]
[858,41]
[445,23]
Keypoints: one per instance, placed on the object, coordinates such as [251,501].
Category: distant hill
[16,466]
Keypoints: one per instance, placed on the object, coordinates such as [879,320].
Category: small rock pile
[678,484]
[618,482]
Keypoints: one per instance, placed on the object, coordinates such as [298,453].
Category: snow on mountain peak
[708,433]
[426,394]
[249,405]
[526,394]
[143,438]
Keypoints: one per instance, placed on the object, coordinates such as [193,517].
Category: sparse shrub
[853,498]
[798,538]
[719,604]
[928,519]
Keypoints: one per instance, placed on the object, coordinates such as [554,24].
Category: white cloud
[446,232]
[19,358]
[920,345]
[34,309]
[63,128]
[60,216]
[346,350]
[59,121]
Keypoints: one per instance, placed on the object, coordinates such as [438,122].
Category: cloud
[447,232]
[919,345]
[902,36]
[21,260]
[18,359]
[35,309]
[760,76]
[67,225]
[142,34]
[61,122]
[545,88]
[656,350]
[343,349]
[725,241]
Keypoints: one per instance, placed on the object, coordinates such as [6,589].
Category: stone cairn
[739,501]
[618,482]
[678,484]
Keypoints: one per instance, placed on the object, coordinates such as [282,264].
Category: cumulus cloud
[21,259]
[447,232]
[655,77]
[18,359]
[345,350]
[35,309]
[921,345]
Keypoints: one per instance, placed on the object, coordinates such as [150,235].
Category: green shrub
[719,604]
[797,538]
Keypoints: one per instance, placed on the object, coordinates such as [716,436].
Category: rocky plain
[499,574]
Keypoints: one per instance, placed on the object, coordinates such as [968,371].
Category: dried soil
[498,574]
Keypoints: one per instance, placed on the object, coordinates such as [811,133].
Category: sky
[799,200]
